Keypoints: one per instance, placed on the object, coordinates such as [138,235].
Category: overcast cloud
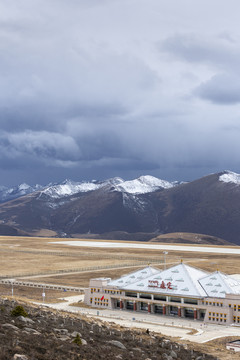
[102,88]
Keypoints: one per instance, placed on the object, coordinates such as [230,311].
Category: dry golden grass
[217,348]
[34,294]
[25,255]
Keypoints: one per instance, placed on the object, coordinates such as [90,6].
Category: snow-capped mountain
[68,188]
[209,205]
[7,194]
[142,185]
[230,177]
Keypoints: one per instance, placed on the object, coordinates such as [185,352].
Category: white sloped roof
[218,284]
[177,280]
[133,277]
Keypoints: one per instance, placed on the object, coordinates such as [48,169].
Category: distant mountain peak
[112,181]
[15,192]
[23,186]
[230,177]
[68,188]
[144,184]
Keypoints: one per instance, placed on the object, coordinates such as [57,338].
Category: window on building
[190,301]
[131,294]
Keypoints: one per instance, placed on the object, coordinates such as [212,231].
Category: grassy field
[39,260]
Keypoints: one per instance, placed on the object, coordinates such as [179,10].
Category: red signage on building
[160,285]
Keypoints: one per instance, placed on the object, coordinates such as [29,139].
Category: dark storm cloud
[216,51]
[40,145]
[221,89]
[86,92]
[221,53]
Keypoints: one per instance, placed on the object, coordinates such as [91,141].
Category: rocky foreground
[44,334]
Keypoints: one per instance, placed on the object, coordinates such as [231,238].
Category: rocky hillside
[44,335]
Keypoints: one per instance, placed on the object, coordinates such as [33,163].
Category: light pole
[165,253]
[12,288]
[43,294]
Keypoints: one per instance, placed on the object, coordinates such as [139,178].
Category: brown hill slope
[190,238]
[205,206]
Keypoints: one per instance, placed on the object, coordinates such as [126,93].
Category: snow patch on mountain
[230,177]
[134,203]
[69,188]
[7,194]
[143,185]
[113,181]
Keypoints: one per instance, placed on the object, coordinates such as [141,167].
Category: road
[169,326]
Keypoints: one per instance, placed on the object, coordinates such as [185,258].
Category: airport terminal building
[181,290]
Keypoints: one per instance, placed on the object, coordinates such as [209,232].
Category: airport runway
[134,245]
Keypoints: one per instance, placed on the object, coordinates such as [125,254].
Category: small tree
[19,311]
[77,340]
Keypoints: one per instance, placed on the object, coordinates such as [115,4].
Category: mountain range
[209,205]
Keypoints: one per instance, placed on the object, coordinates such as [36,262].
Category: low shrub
[77,340]
[19,311]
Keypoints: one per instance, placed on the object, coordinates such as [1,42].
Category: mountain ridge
[209,205]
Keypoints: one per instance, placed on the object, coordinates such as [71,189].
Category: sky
[93,89]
